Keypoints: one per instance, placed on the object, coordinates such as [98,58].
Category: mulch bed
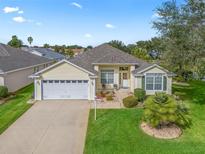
[165,132]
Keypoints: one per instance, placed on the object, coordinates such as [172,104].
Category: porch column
[132,79]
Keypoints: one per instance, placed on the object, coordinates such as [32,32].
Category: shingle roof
[104,54]
[50,54]
[47,53]
[13,58]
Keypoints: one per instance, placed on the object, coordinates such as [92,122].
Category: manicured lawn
[15,107]
[118,132]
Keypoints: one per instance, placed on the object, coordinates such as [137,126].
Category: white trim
[25,68]
[58,63]
[154,65]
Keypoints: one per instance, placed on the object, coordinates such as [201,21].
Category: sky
[82,22]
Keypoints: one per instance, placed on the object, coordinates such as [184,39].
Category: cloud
[77,5]
[19,19]
[109,26]
[155,15]
[87,35]
[20,12]
[8,9]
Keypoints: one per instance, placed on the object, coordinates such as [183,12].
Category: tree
[119,45]
[46,45]
[70,53]
[140,53]
[183,33]
[30,40]
[15,42]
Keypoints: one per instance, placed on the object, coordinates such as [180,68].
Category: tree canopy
[15,42]
[183,31]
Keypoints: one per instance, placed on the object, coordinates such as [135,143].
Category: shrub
[109,98]
[3,91]
[140,94]
[162,109]
[160,97]
[130,101]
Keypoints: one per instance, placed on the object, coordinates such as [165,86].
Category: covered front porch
[116,77]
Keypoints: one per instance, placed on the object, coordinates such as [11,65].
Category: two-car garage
[65,89]
[64,80]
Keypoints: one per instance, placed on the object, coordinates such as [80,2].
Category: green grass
[118,132]
[15,107]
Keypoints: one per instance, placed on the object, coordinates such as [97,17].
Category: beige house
[102,68]
[16,65]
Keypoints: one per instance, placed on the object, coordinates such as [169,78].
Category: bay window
[154,81]
[107,76]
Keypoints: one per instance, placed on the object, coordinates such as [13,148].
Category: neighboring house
[16,65]
[78,51]
[45,52]
[102,68]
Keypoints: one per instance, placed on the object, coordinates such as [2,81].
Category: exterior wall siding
[19,79]
[1,81]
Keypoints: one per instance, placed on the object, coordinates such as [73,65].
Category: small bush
[109,98]
[3,91]
[130,101]
[140,94]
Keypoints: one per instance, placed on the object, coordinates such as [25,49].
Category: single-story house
[45,52]
[102,68]
[16,65]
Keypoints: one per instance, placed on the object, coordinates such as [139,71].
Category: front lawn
[117,131]
[15,107]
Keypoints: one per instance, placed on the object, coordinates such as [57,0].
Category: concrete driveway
[49,127]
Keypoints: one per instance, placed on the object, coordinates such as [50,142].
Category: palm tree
[30,40]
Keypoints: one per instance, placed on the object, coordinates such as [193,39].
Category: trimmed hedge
[3,91]
[140,94]
[130,101]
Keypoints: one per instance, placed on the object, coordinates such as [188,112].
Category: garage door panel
[65,90]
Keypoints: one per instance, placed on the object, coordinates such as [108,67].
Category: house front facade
[103,68]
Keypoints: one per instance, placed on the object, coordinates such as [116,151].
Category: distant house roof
[47,53]
[105,54]
[13,58]
[77,50]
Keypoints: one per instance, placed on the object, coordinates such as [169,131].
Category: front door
[125,80]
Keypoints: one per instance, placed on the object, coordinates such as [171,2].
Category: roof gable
[59,63]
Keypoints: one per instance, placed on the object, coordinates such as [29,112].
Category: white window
[154,81]
[107,76]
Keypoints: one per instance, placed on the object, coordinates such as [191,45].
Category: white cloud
[87,35]
[20,12]
[77,5]
[109,26]
[8,9]
[19,19]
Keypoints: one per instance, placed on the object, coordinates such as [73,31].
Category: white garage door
[65,89]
